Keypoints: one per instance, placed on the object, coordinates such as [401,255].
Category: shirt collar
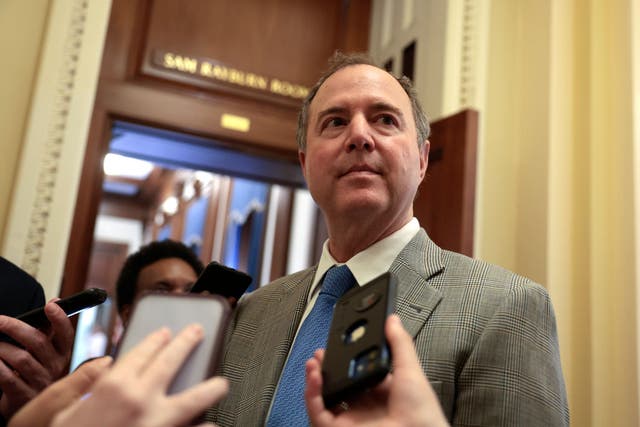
[371,262]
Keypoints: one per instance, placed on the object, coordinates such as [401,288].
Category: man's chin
[361,204]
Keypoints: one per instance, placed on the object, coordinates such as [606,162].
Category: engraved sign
[212,69]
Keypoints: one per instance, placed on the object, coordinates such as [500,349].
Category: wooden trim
[209,227]
[89,194]
[445,202]
[281,233]
[125,94]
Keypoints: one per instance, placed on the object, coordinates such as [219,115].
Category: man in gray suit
[485,337]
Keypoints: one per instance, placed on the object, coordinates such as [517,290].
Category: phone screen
[176,311]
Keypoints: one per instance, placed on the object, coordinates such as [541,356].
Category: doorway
[230,206]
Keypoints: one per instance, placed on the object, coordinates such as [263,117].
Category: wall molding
[50,164]
[59,114]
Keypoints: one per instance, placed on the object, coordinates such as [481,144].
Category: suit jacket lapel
[418,262]
[283,317]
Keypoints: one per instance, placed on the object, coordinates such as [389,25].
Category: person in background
[164,266]
[30,359]
[485,337]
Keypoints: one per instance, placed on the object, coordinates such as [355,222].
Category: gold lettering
[301,92]
[234,76]
[205,69]
[288,89]
[168,61]
[186,64]
[276,86]
[256,81]
[220,73]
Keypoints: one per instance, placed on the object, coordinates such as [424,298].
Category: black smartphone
[357,356]
[218,279]
[71,305]
[153,311]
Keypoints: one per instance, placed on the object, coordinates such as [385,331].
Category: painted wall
[22,25]
[557,85]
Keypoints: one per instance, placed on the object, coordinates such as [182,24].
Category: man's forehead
[360,80]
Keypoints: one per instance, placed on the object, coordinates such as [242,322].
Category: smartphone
[71,305]
[218,279]
[176,311]
[357,356]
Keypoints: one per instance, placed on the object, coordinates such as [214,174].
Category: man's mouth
[358,169]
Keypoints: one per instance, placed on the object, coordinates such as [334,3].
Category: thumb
[79,381]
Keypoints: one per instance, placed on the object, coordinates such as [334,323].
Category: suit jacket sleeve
[513,374]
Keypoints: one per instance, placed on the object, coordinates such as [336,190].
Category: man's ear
[424,158]
[302,158]
[125,313]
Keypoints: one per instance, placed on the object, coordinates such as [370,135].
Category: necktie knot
[337,281]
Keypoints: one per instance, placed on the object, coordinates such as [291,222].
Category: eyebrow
[329,111]
[375,107]
[384,106]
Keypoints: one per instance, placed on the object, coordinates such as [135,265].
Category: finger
[76,384]
[171,358]
[15,391]
[197,399]
[319,415]
[20,331]
[136,360]
[61,329]
[21,369]
[41,363]
[61,394]
[52,347]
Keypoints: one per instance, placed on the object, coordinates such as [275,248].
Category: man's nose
[359,136]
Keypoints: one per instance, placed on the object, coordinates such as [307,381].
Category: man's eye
[387,120]
[335,122]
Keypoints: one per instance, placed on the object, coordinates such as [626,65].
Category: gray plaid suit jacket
[486,339]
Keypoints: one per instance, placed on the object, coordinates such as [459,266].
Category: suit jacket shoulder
[488,339]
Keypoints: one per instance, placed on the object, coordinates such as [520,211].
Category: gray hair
[339,61]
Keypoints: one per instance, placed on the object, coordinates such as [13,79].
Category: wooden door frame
[124,94]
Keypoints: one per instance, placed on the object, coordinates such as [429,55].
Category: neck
[346,239]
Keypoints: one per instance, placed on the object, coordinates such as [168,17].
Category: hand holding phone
[176,311]
[71,305]
[357,355]
[404,398]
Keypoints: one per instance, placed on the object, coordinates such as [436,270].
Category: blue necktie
[288,407]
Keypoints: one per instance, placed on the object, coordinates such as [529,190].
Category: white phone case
[176,311]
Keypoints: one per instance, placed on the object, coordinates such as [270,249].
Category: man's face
[165,275]
[362,156]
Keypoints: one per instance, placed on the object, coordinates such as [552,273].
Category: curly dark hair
[147,255]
